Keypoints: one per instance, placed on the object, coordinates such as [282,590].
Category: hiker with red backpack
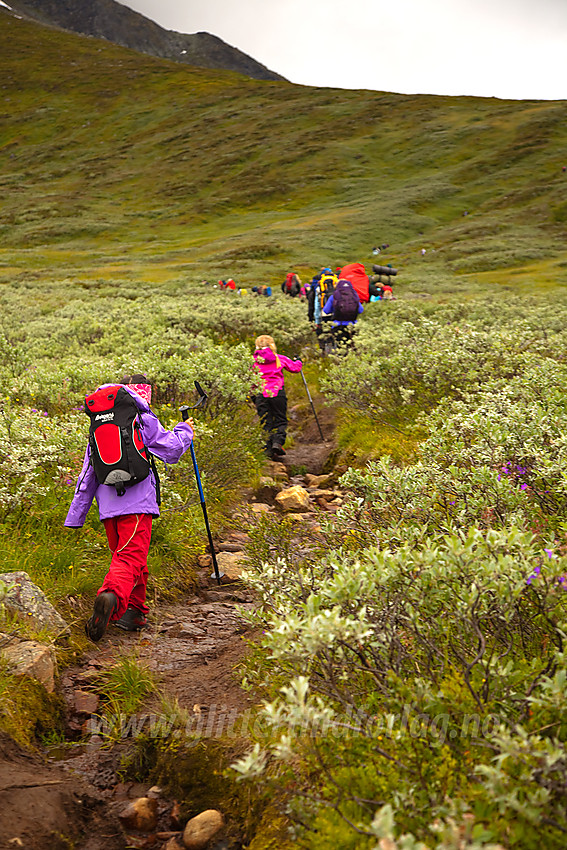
[345,307]
[271,399]
[119,472]
[292,284]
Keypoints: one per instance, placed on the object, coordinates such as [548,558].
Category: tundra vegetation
[428,617]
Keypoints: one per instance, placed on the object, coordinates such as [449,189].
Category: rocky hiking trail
[193,648]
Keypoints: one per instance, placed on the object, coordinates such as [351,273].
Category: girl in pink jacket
[271,400]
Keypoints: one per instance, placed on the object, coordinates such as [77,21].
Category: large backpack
[118,454]
[345,302]
[327,283]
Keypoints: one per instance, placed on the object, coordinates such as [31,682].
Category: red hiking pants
[129,541]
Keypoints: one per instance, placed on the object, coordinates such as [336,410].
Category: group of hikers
[230,285]
[119,472]
[338,297]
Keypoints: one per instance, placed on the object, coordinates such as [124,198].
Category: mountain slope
[114,161]
[117,23]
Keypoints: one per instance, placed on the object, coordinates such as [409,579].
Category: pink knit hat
[143,390]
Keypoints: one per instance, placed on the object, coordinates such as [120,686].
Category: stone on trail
[230,547]
[267,490]
[230,563]
[293,499]
[316,480]
[259,508]
[29,602]
[32,659]
[85,702]
[201,829]
[276,467]
[204,560]
[140,814]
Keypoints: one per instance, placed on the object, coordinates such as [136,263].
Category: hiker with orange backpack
[119,473]
[271,399]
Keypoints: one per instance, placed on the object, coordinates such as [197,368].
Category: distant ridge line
[117,23]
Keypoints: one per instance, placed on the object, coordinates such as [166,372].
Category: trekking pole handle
[184,411]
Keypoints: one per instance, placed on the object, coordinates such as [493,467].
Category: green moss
[27,712]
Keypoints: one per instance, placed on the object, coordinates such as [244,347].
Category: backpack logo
[118,454]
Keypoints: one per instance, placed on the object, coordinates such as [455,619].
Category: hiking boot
[104,606]
[278,450]
[132,620]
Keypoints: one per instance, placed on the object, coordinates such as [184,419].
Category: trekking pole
[312,405]
[184,410]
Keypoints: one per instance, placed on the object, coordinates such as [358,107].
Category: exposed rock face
[25,599]
[121,25]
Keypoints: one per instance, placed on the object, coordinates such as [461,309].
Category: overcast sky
[493,48]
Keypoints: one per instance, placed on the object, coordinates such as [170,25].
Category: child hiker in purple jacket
[271,401]
[127,518]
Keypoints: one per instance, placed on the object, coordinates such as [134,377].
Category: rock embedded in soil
[230,563]
[267,491]
[140,814]
[85,702]
[29,602]
[202,829]
[230,547]
[32,659]
[204,560]
[259,508]
[293,499]
[316,480]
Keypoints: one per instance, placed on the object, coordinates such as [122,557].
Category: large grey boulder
[22,597]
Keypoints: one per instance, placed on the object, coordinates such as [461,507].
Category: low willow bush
[413,655]
[407,359]
[431,682]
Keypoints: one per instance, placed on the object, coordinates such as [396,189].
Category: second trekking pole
[184,410]
[312,406]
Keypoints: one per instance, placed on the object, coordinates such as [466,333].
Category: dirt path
[194,648]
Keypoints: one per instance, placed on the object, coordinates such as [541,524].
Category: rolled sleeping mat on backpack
[387,270]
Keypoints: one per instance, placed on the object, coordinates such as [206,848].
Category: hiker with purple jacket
[271,398]
[127,516]
[344,306]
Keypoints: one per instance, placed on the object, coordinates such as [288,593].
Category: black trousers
[273,416]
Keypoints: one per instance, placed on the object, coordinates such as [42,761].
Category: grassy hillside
[115,165]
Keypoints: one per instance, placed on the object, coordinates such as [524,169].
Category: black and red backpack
[118,454]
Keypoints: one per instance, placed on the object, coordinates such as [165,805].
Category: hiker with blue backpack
[119,472]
